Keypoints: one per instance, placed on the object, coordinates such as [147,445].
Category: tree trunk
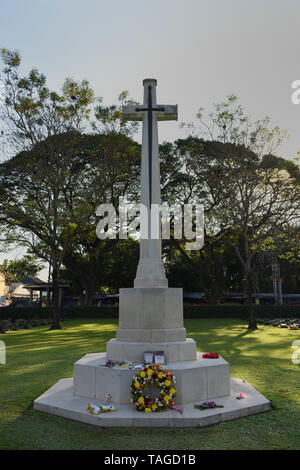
[56,325]
[252,318]
[88,296]
[214,298]
[252,325]
[217,284]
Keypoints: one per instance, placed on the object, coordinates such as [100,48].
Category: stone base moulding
[59,400]
[134,351]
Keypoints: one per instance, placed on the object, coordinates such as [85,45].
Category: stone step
[60,401]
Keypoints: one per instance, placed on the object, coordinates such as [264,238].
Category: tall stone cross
[150,272]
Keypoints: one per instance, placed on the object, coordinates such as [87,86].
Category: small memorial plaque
[159,357]
[148,357]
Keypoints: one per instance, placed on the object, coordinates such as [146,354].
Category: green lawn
[38,358]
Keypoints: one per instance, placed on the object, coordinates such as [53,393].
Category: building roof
[32,281]
[5,273]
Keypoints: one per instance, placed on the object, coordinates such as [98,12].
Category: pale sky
[200,51]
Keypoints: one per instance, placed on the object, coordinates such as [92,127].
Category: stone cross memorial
[150,314]
[150,321]
[150,272]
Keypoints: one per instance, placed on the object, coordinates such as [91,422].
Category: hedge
[204,311]
[241,311]
[28,313]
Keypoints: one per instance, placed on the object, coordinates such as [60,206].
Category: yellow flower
[160,375]
[172,391]
[148,410]
[141,400]
[154,406]
[166,398]
[142,374]
[149,372]
[167,383]
[137,385]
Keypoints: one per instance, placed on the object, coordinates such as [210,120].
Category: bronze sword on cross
[151,109]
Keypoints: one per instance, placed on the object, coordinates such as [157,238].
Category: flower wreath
[155,375]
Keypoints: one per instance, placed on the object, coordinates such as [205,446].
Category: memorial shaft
[150,272]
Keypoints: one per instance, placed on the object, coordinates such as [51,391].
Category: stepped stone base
[59,400]
[151,319]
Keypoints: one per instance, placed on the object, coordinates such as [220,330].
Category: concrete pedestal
[151,319]
[146,309]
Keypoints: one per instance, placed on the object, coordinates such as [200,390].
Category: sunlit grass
[38,358]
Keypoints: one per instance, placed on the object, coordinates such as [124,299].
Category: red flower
[210,356]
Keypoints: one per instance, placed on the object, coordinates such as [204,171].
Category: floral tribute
[207,405]
[210,356]
[154,375]
[240,396]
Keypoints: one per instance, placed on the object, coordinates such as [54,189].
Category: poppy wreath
[154,375]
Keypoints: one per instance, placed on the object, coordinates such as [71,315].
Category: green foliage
[109,118]
[18,268]
[32,112]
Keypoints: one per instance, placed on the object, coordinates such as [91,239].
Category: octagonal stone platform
[195,380]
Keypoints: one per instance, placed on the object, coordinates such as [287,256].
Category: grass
[38,358]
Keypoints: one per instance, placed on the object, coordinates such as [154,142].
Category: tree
[18,268]
[36,122]
[251,194]
[59,175]
[34,187]
[197,182]
[57,204]
[30,112]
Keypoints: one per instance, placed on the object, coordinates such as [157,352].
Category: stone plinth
[195,380]
[134,350]
[151,319]
[150,308]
